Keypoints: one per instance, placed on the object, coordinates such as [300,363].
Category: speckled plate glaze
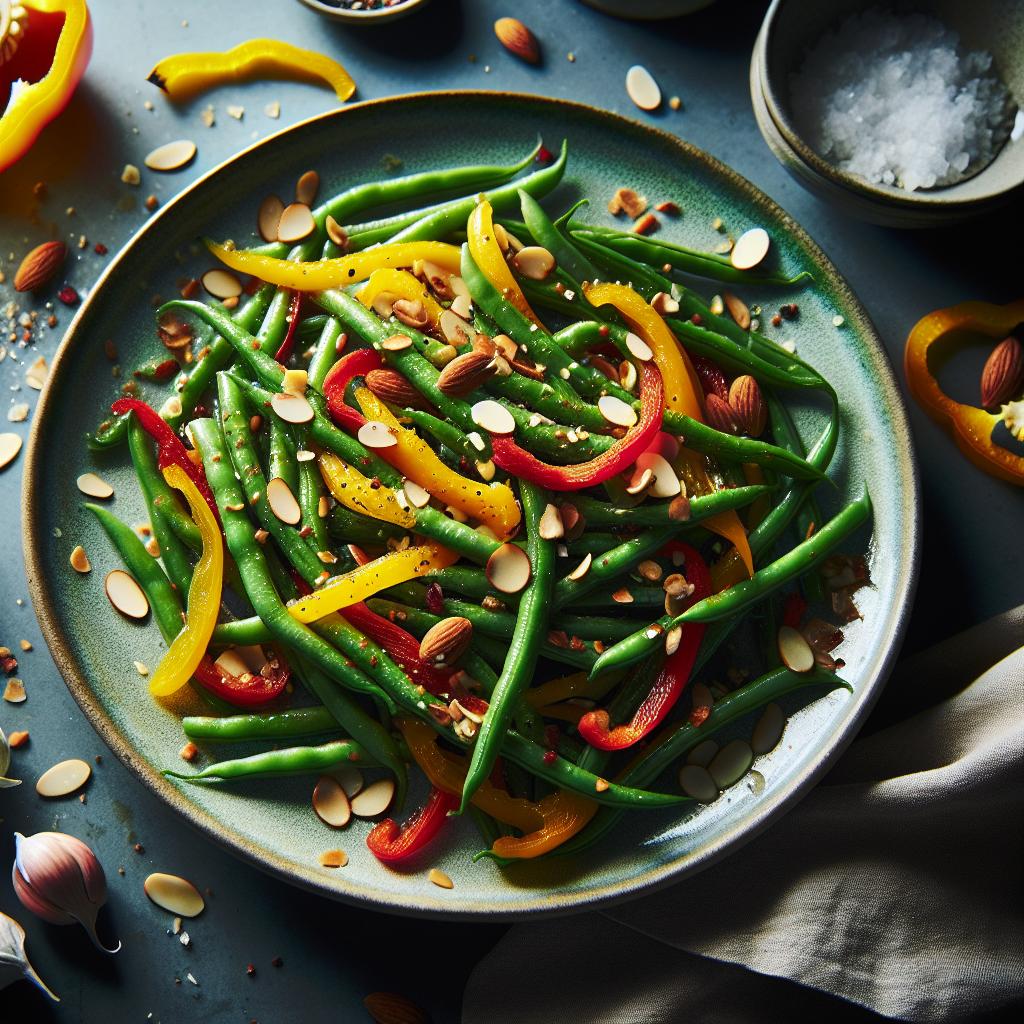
[271,823]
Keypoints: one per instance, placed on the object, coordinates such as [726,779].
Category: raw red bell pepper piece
[243,693]
[671,681]
[392,845]
[616,459]
[285,348]
[355,364]
[170,450]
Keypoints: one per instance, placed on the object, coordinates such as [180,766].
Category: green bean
[445,433]
[325,354]
[568,258]
[311,494]
[310,328]
[602,513]
[275,324]
[277,763]
[349,527]
[268,725]
[281,456]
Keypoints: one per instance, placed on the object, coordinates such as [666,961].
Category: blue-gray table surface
[332,954]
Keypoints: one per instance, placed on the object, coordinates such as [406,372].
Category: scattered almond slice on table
[64,778]
[14,691]
[642,88]
[171,156]
[176,895]
[10,445]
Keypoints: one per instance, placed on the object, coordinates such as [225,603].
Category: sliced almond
[307,187]
[462,306]
[455,330]
[440,879]
[330,801]
[63,778]
[375,434]
[419,497]
[222,284]
[794,650]
[10,445]
[622,596]
[738,309]
[374,799]
[642,88]
[336,233]
[493,417]
[616,411]
[79,559]
[176,895]
[171,155]
[750,248]
[296,223]
[94,486]
[333,859]
[14,691]
[664,304]
[508,569]
[269,217]
[534,262]
[350,778]
[768,730]
[282,502]
[640,481]
[292,408]
[125,594]
[731,763]
[665,483]
[36,374]
[582,569]
[396,343]
[672,638]
[551,526]
[696,781]
[639,348]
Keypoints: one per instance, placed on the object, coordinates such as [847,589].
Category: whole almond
[466,373]
[39,266]
[391,386]
[747,404]
[389,1008]
[1003,373]
[720,415]
[517,39]
[446,641]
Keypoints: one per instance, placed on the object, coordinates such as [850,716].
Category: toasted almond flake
[664,304]
[649,570]
[63,778]
[25,645]
[640,481]
[600,785]
[125,594]
[731,763]
[396,343]
[462,306]
[639,348]
[79,559]
[350,778]
[703,754]
[171,155]
[141,667]
[493,417]
[534,262]
[269,217]
[418,496]
[333,859]
[374,799]
[235,111]
[36,374]
[768,730]
[10,445]
[307,187]
[18,739]
[18,412]
[455,330]
[327,557]
[14,691]
[508,569]
[551,526]
[582,569]
[282,502]
[664,482]
[622,596]
[738,309]
[171,408]
[642,88]
[273,109]
[375,434]
[330,802]
[795,651]
[296,223]
[222,284]
[304,455]
[176,895]
[336,233]
[616,411]
[439,878]
[130,175]
[702,696]
[695,781]
[292,408]
[750,248]
[94,486]
[672,638]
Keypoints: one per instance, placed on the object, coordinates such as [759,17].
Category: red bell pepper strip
[259,689]
[285,348]
[170,450]
[671,681]
[355,364]
[392,845]
[616,459]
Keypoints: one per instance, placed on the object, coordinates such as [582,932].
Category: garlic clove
[14,963]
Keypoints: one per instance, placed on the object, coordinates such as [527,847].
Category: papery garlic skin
[14,963]
[5,763]
[61,880]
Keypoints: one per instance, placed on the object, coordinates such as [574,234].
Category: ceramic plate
[271,823]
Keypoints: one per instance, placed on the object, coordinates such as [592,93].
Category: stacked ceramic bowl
[792,27]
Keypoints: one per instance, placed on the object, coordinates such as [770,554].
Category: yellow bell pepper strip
[970,426]
[372,577]
[45,46]
[322,275]
[492,504]
[353,490]
[189,646]
[399,284]
[187,74]
[564,813]
[682,394]
[487,255]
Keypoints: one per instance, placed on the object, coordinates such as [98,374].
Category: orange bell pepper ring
[970,426]
[45,46]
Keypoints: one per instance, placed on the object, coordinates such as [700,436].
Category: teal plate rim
[451,904]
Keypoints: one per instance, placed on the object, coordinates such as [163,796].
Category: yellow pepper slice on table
[399,284]
[189,646]
[970,426]
[322,275]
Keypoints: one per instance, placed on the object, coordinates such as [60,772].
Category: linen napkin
[896,884]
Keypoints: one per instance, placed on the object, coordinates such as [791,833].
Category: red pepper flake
[647,224]
[152,202]
[435,599]
[776,320]
[672,209]
[100,249]
[696,319]
[68,295]
[790,311]
[51,320]
[188,289]
[139,848]
[603,331]
[544,155]
[550,756]
[250,969]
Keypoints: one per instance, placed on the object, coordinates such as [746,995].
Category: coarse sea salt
[895,100]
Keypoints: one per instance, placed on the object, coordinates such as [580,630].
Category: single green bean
[269,725]
[602,513]
[325,354]
[547,234]
[276,763]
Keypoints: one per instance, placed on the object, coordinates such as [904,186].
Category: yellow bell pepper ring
[322,275]
[45,46]
[189,646]
[970,426]
[188,74]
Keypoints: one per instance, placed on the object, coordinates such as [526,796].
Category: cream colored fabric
[895,884]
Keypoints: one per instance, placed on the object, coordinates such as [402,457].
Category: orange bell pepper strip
[565,814]
[45,46]
[492,504]
[321,275]
[682,394]
[372,577]
[970,426]
[353,490]
[399,284]
[189,646]
[487,255]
